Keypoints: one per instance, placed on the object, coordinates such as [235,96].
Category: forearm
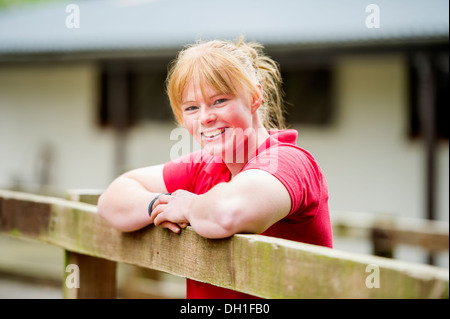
[250,203]
[124,204]
[214,214]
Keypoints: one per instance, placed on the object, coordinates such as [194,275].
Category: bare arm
[124,204]
[250,203]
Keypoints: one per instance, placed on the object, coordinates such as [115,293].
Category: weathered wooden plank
[431,235]
[259,265]
[88,196]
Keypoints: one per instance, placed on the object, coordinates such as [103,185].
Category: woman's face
[220,123]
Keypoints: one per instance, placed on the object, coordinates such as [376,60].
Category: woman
[249,176]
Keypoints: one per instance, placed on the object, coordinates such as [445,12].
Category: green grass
[18,3]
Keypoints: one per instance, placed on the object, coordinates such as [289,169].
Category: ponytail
[269,76]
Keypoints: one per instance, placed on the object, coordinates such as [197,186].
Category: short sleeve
[197,173]
[177,173]
[295,169]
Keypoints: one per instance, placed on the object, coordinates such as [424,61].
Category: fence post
[88,277]
[382,241]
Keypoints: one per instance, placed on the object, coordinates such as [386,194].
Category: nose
[207,116]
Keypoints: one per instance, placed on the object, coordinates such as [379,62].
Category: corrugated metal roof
[166,24]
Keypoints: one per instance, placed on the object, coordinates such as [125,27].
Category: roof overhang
[137,28]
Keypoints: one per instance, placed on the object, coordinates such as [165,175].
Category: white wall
[370,162]
[52,105]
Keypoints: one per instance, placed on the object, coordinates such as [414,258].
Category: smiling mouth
[214,133]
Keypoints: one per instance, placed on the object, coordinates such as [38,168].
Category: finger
[183,225]
[173,227]
[162,199]
[156,214]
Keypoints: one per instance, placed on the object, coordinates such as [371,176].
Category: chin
[214,150]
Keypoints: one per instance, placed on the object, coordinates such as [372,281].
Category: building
[82,97]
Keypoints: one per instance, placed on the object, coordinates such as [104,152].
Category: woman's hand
[171,211]
[250,203]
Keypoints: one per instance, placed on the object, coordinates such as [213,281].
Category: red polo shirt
[308,221]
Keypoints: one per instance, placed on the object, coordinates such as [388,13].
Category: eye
[190,108]
[220,101]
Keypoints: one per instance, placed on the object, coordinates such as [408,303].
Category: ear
[257,97]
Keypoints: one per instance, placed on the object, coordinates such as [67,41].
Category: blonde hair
[228,67]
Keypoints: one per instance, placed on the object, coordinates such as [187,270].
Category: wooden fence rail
[259,265]
[385,232]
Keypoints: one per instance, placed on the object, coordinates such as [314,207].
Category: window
[440,68]
[308,95]
[133,92]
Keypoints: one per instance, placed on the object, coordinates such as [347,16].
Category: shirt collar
[217,166]
[277,137]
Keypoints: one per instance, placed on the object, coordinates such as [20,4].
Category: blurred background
[82,97]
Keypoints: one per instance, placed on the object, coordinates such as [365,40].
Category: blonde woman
[249,177]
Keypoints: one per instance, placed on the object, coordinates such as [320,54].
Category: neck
[245,150]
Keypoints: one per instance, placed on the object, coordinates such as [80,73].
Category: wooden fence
[259,265]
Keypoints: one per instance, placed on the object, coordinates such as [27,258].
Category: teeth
[214,133]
